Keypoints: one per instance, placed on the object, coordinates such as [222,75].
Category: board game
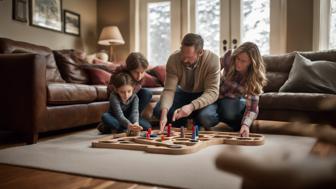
[175,141]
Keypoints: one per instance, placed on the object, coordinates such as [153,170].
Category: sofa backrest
[279,66]
[10,46]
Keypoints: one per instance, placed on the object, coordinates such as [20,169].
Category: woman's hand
[244,131]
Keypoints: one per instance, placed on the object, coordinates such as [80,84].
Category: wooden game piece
[147,135]
[190,123]
[197,130]
[182,133]
[193,134]
[149,131]
[162,138]
[169,130]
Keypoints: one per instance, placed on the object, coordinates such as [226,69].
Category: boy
[123,113]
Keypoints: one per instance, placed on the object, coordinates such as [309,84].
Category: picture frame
[71,23]
[46,14]
[19,10]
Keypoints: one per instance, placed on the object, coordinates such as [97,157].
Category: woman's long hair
[255,79]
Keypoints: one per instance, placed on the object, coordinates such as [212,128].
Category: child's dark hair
[135,60]
[121,79]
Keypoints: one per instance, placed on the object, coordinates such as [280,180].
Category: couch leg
[31,138]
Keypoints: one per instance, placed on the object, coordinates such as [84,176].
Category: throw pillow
[70,69]
[99,76]
[311,76]
[150,81]
[159,72]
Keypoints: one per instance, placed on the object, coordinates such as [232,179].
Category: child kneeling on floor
[123,113]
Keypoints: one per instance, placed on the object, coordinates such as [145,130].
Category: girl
[240,86]
[123,113]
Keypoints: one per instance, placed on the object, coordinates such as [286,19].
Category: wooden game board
[175,144]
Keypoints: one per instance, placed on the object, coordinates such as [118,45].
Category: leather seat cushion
[295,101]
[66,93]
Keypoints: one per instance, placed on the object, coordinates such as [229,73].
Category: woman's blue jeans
[231,111]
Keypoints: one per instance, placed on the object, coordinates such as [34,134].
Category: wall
[23,32]
[299,25]
[116,12]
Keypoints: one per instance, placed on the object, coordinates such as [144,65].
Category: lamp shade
[110,35]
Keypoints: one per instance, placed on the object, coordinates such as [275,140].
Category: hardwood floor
[20,177]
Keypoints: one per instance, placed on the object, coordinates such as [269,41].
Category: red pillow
[99,76]
[159,72]
[150,81]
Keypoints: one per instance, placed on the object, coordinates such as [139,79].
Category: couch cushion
[70,69]
[66,93]
[277,70]
[295,101]
[11,46]
[311,76]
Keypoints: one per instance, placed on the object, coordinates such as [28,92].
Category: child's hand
[244,131]
[135,127]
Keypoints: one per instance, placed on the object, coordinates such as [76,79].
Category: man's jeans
[206,117]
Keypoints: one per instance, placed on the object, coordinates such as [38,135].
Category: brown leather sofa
[288,106]
[35,97]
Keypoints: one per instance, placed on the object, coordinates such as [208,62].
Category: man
[191,86]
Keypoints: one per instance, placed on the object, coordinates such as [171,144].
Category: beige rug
[73,154]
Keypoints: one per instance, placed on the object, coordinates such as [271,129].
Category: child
[136,65]
[123,113]
[240,86]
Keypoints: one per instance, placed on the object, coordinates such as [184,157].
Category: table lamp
[110,36]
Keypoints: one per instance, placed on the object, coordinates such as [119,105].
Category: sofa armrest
[23,94]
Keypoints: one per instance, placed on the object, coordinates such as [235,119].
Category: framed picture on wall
[46,14]
[20,10]
[71,23]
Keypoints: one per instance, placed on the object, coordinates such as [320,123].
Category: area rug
[73,154]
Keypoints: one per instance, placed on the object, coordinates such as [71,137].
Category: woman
[241,84]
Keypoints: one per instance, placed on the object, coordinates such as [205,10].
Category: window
[207,23]
[256,23]
[158,26]
[324,36]
[158,32]
[332,30]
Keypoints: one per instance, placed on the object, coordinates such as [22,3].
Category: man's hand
[244,131]
[185,111]
[163,120]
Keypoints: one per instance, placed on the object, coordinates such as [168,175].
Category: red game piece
[147,135]
[162,138]
[168,130]
[150,131]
